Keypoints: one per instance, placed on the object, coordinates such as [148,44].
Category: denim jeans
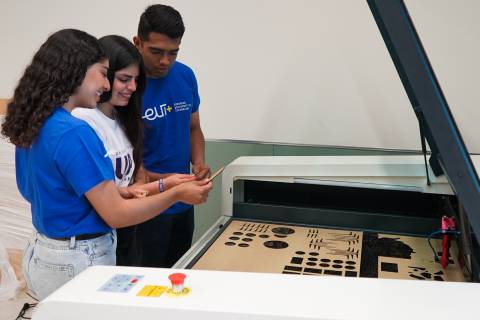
[49,263]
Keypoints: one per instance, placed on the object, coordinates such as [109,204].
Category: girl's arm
[156,176]
[138,190]
[141,177]
[118,212]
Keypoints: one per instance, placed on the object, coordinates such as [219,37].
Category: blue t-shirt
[65,161]
[168,103]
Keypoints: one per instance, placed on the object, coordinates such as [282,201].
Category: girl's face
[124,85]
[94,84]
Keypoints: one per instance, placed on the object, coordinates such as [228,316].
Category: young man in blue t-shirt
[173,138]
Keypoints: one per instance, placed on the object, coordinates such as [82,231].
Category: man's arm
[197,148]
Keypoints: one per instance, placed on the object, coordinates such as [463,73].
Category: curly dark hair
[122,53]
[56,71]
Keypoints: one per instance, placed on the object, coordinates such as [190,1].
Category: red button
[177,278]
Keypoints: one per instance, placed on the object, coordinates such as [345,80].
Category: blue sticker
[121,283]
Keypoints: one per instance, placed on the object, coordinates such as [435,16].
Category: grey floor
[11,308]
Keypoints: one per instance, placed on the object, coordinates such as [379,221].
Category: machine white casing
[239,295]
[382,172]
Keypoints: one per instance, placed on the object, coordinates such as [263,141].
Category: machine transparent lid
[449,154]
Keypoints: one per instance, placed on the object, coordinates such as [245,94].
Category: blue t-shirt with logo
[168,103]
[65,161]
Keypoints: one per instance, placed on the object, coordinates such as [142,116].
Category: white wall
[287,71]
[450,32]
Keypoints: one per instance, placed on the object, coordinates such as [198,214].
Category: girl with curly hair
[117,122]
[62,168]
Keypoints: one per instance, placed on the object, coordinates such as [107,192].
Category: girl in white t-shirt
[62,168]
[117,122]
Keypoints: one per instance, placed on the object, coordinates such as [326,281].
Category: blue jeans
[49,263]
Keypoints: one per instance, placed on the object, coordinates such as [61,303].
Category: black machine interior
[366,209]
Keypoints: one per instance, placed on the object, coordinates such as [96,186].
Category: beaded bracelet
[161,185]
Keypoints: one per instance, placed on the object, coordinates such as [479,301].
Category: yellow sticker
[152,291]
[184,292]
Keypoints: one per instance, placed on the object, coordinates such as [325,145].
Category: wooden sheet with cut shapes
[256,247]
[421,265]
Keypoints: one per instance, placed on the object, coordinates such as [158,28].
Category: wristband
[161,185]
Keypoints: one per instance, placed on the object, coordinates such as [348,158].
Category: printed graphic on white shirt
[118,147]
[123,166]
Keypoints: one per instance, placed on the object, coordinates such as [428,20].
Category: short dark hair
[56,71]
[122,53]
[162,19]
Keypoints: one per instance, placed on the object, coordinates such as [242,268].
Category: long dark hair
[56,71]
[121,54]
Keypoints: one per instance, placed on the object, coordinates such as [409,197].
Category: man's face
[159,52]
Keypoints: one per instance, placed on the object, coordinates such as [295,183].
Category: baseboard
[3,106]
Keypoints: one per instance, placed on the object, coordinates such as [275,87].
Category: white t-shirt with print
[118,147]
